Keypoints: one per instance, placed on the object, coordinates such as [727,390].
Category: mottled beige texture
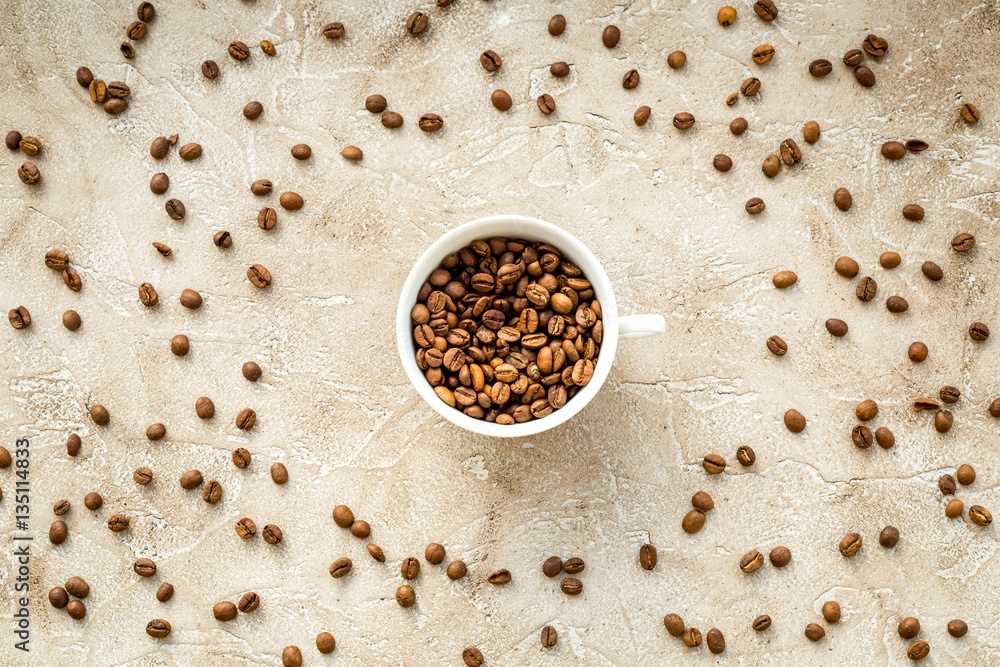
[335,407]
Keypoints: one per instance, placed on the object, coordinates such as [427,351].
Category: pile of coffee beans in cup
[507,330]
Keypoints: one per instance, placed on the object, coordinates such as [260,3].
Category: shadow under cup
[514,227]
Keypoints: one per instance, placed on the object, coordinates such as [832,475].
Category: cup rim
[574,250]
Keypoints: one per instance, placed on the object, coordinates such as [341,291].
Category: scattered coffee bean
[750,87]
[777,346]
[209,69]
[866,410]
[549,636]
[693,521]
[557,24]
[691,637]
[351,153]
[490,61]
[191,151]
[83,77]
[31,145]
[410,568]
[571,586]
[751,561]
[434,553]
[965,474]
[175,209]
[291,656]
[238,50]
[846,267]
[784,279]
[745,455]
[98,91]
[875,46]
[674,625]
[241,457]
[58,597]
[158,149]
[861,436]
[552,566]
[918,650]
[713,464]
[726,17]
[732,99]
[771,166]
[159,183]
[957,628]
[73,444]
[142,476]
[93,501]
[158,628]
[842,198]
[144,567]
[896,304]
[854,57]
[738,126]
[76,610]
[889,260]
[970,113]
[100,415]
[212,492]
[341,568]
[864,76]
[943,421]
[574,566]
[811,132]
[893,150]
[611,36]
[722,162]
[761,623]
[631,79]
[405,597]
[29,174]
[963,242]
[702,501]
[917,352]
[908,628]
[301,152]
[500,99]
[271,534]
[71,320]
[360,529]
[755,205]
[261,187]
[947,484]
[267,218]
[780,556]
[683,121]
[820,67]
[191,299]
[954,508]
[836,327]
[430,122]
[224,611]
[676,59]
[647,556]
[850,545]
[253,110]
[499,578]
[246,419]
[762,54]
[916,145]
[814,632]
[416,23]
[885,438]
[162,248]
[456,570]
[333,30]
[191,479]
[980,515]
[117,523]
[925,404]
[866,289]
[831,611]
[246,528]
[794,421]
[641,116]
[343,516]
[979,331]
[714,639]
[766,9]
[888,537]
[204,408]
[267,47]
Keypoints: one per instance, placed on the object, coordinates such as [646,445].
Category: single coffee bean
[267,47]
[950,394]
[957,628]
[854,57]
[674,625]
[814,632]
[499,578]
[271,534]
[246,419]
[963,242]
[58,597]
[943,421]
[836,327]
[142,476]
[118,89]
[888,537]
[204,407]
[738,126]
[93,501]
[766,9]
[325,643]
[73,444]
[771,166]
[350,153]
[434,553]
[251,371]
[925,404]
[842,199]
[790,153]
[794,421]
[722,162]
[546,104]
[908,628]
[241,457]
[574,566]
[777,346]
[376,103]
[261,187]
[784,279]
[117,523]
[246,528]
[850,545]
[72,280]
[691,637]
[861,436]
[360,529]
[761,623]
[647,556]
[811,132]
[641,116]
[631,79]
[340,568]
[979,331]
[713,464]
[259,276]
[947,484]
[549,636]
[751,561]
[29,174]
[144,567]
[552,566]
[267,218]
[158,628]
[238,50]
[77,587]
[500,99]
[693,521]
[571,586]
[224,611]
[918,650]
[969,113]
[416,23]
[291,656]
[83,77]
[248,603]
[726,16]
[611,36]
[163,249]
[430,122]
[866,410]
[209,69]
[780,556]
[745,455]
[31,145]
[980,515]
[61,507]
[191,299]
[557,25]
[158,149]
[889,260]
[954,509]
[875,46]
[100,415]
[456,570]
[820,67]
[750,87]
[755,205]
[916,145]
[405,597]
[846,267]
[175,209]
[885,438]
[333,30]
[212,492]
[159,183]
[831,611]
[676,59]
[762,54]
[343,516]
[490,61]
[965,474]
[376,552]
[683,121]
[391,119]
[913,212]
[714,638]
[191,479]
[864,76]
[702,501]
[136,30]
[896,304]
[917,352]
[301,152]
[893,150]
[98,91]
[191,151]
[76,610]
[253,110]
[410,568]
[559,69]
[994,408]
[866,289]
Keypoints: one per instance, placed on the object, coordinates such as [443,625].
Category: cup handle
[641,326]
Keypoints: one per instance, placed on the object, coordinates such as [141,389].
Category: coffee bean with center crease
[117,523]
[574,566]
[631,79]
[866,289]
[191,479]
[246,419]
[691,637]
[979,331]
[766,9]
[144,567]
[118,89]
[980,515]
[98,91]
[969,113]
[777,346]
[918,650]
[571,586]
[430,122]
[142,476]
[750,87]
[755,206]
[684,121]
[271,534]
[267,218]
[790,153]
[241,457]
[751,561]
[416,23]
[864,76]
[820,67]
[410,568]
[713,464]
[762,54]
[499,577]
[963,242]
[136,30]
[333,30]
[259,276]
[238,50]
[761,623]
[490,61]
[212,492]
[854,57]
[549,636]
[29,174]
[861,436]
[850,544]
[246,528]
[175,209]
[158,628]
[209,69]
[875,46]
[248,603]
[31,145]
[546,104]
[745,455]
[647,556]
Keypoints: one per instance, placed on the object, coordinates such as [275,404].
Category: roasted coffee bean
[77,587]
[726,16]
[745,455]
[965,474]
[456,570]
[957,628]
[702,501]
[416,23]
[76,610]
[571,586]
[557,24]
[864,76]
[954,509]
[58,597]
[552,566]
[410,568]
[61,507]
[917,352]
[574,566]
[913,212]
[925,404]
[947,484]
[750,87]
[98,91]
[751,561]
[713,464]
[291,656]
[209,69]
[889,260]
[980,515]
[893,150]
[771,166]
[13,139]
[136,30]
[611,36]
[916,145]
[908,628]
[31,145]
[191,151]
[163,249]
[737,126]
[836,327]
[780,556]
[267,218]
[790,153]
[896,304]
[943,421]
[391,119]
[333,30]
[325,643]
[761,623]
[340,568]
[251,371]
[191,299]
[714,638]
[820,67]
[691,637]
[175,209]
[676,59]
[343,516]
[732,99]
[549,636]
[118,89]
[559,69]
[224,611]
[430,122]
[683,121]
[349,153]
[83,77]
[405,597]
[970,113]
[499,578]
[814,632]
[831,611]
[117,523]
[846,267]
[360,529]
[963,242]
[866,289]
[546,104]
[490,60]
[842,199]
[144,567]
[73,444]
[191,479]
[794,421]
[875,46]
[885,438]
[854,57]
[376,103]
[647,556]
[722,162]
[674,625]
[918,650]
[979,331]
[29,174]
[850,545]
[158,149]
[238,50]
[56,259]
[100,415]
[950,394]
[811,132]
[301,152]
[777,346]
[271,534]
[861,436]
[246,419]
[866,410]
[248,603]
[693,521]
[631,79]
[259,276]
[762,54]
[267,47]
[641,116]
[376,552]
[246,528]
[434,553]
[212,492]
[241,457]
[142,476]
[158,628]
[754,206]
[159,183]
[204,407]
[889,537]
[253,110]
[261,187]
[766,9]
[500,99]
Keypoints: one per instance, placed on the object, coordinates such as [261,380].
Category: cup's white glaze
[519,227]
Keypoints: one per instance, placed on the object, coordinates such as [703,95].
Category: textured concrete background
[335,407]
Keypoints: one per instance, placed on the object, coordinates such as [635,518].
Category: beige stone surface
[335,407]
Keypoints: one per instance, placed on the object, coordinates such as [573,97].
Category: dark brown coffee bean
[908,628]
[714,638]
[456,570]
[246,528]
[142,476]
[693,521]
[611,36]
[557,24]
[391,119]
[349,153]
[238,50]
[702,501]
[831,611]
[861,436]
[490,61]
[61,507]
[224,611]
[751,561]
[175,209]
[875,46]
[842,199]
[896,304]
[947,484]
[631,79]
[158,149]
[552,566]
[253,110]
[204,408]
[963,242]
[684,121]
[965,474]
[117,523]
[98,91]
[559,69]
[144,567]
[969,113]
[676,59]
[674,625]
[158,628]
[790,153]
[750,87]
[83,77]
[73,444]
[722,162]
[191,479]
[893,150]
[864,76]
[780,556]
[212,492]
[430,122]
[267,47]
[850,545]
[136,30]
[761,623]
[814,632]
[925,404]
[500,577]
[117,89]
[191,151]
[713,464]
[333,30]
[762,54]
[241,457]
[58,597]
[771,166]
[641,115]
[376,104]
[571,586]
[889,537]
[866,289]
[745,455]
[100,415]
[29,174]
[248,603]
[691,637]
[885,438]
[777,346]
[246,419]
[209,69]
[980,515]
[259,276]
[916,145]
[77,587]
[76,609]
[159,183]
[546,104]
[549,636]
[979,331]
[341,568]
[56,259]
[405,597]
[836,327]
[766,9]
[501,100]
[191,299]
[846,267]
[574,566]
[738,126]
[755,205]
[950,394]
[647,556]
[854,57]
[820,67]
[267,218]
[360,529]
[13,139]
[957,628]
[271,534]
[343,516]
[416,23]
[301,152]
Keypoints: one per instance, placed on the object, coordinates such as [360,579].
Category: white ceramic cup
[519,227]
